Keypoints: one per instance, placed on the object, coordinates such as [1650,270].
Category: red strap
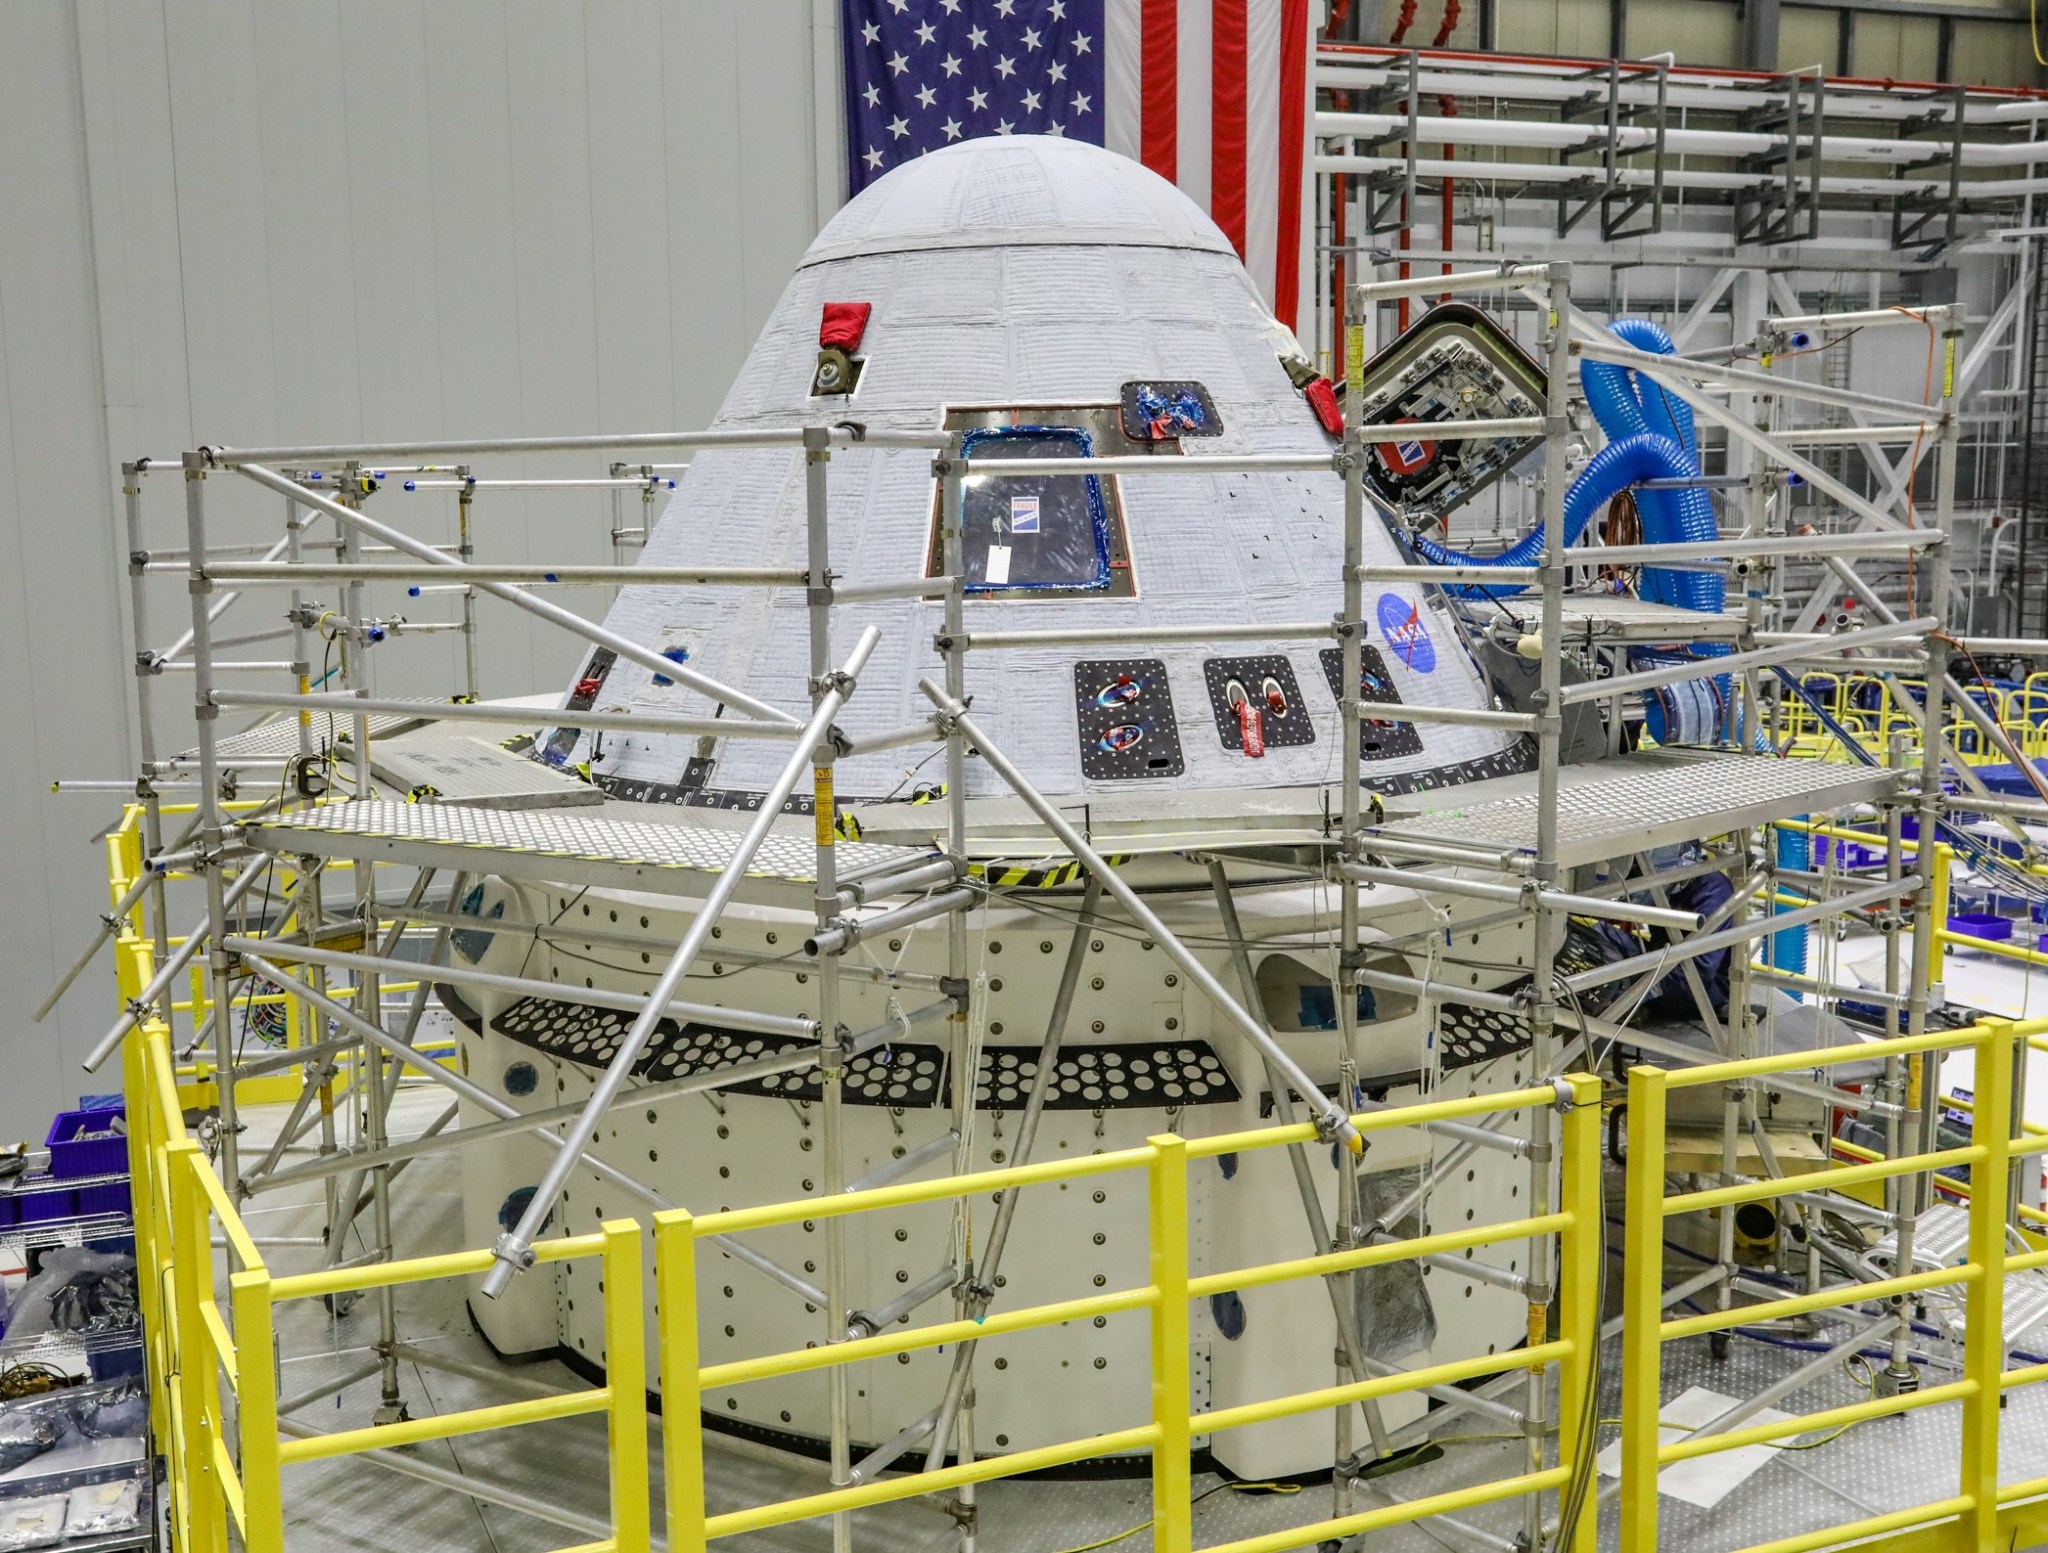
[1251,729]
[1322,398]
[843,325]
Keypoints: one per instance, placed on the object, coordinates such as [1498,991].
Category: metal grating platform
[557,846]
[1633,802]
[1941,1238]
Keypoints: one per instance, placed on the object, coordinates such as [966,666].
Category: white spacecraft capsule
[1031,298]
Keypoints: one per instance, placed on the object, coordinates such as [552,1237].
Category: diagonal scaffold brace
[514,1250]
[1332,1121]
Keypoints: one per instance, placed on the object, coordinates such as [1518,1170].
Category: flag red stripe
[1293,86]
[1159,70]
[1227,119]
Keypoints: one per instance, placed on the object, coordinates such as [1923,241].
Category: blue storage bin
[72,1156]
[40,1199]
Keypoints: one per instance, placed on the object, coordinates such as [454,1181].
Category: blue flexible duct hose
[1650,437]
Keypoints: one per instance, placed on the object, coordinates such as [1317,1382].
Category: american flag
[1210,94]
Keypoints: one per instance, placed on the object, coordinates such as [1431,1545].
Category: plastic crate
[72,1156]
[106,1197]
[1981,924]
[40,1198]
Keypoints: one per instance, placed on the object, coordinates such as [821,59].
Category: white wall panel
[231,221]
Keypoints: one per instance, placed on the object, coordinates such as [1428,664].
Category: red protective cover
[1322,398]
[1251,729]
[843,325]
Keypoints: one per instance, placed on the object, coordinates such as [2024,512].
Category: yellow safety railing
[217,1374]
[1967,1519]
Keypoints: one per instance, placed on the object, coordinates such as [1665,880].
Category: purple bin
[72,1156]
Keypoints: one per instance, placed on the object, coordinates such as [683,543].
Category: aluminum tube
[292,573]
[288,1405]
[1869,318]
[1622,684]
[1027,1137]
[1740,430]
[1448,853]
[2021,808]
[848,931]
[1687,949]
[1331,1118]
[1869,543]
[592,482]
[863,1323]
[110,924]
[341,704]
[894,738]
[573,623]
[513,1251]
[1091,636]
[1458,280]
[908,1164]
[1471,1401]
[234,666]
[483,1491]
[335,454]
[182,956]
[1832,991]
[220,606]
[1785,1385]
[1441,992]
[907,881]
[867,592]
[878,1460]
[1153,463]
[596,997]
[2031,645]
[1500,576]
[802,1287]
[475,1094]
[1813,436]
[533,1121]
[1462,716]
[1579,905]
[1762,382]
[881,975]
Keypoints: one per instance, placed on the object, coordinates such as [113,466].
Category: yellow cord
[1242,1488]
[2034,30]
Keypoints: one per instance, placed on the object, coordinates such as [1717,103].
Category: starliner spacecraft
[1036,299]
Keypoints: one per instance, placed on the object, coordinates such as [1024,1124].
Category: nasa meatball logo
[1401,624]
[1409,456]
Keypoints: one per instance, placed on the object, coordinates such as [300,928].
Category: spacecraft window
[1027,533]
[1060,536]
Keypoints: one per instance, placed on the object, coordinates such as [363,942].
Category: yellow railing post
[1937,952]
[192,1281]
[1642,1306]
[1172,1490]
[1579,1274]
[1984,1296]
[625,1370]
[256,1410]
[682,1423]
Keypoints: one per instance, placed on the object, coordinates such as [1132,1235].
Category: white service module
[1039,298]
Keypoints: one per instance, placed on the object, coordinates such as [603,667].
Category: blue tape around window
[1029,533]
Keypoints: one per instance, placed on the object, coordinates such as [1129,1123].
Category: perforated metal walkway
[1634,802]
[563,847]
